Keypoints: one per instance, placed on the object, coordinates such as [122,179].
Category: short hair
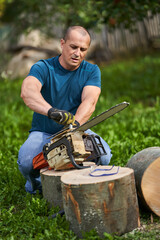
[80,29]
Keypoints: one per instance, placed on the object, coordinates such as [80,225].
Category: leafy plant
[43,15]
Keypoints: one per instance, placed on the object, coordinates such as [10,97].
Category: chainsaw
[70,147]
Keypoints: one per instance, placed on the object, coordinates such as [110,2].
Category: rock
[34,38]
[21,63]
[30,49]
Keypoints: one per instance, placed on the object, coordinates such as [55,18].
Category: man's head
[74,47]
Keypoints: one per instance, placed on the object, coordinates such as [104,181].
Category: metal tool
[70,147]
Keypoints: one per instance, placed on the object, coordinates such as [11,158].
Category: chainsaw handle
[75,164]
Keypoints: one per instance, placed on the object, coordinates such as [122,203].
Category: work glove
[61,116]
[75,124]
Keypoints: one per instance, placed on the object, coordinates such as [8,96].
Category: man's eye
[73,47]
[83,49]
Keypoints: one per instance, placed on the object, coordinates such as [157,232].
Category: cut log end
[146,166]
[151,187]
[83,176]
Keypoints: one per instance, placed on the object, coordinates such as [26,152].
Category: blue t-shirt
[61,88]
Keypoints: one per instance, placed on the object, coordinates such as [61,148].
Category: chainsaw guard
[39,161]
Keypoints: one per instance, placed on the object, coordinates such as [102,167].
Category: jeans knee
[25,164]
[105,159]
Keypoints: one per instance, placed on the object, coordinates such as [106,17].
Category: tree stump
[146,166]
[105,203]
[51,184]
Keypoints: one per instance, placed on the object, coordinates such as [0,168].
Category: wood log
[146,166]
[51,184]
[105,203]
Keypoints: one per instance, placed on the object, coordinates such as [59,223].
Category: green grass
[136,80]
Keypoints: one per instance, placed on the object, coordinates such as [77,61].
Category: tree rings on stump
[105,203]
[146,165]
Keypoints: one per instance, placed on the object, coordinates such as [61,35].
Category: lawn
[137,81]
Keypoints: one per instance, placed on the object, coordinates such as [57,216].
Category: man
[60,91]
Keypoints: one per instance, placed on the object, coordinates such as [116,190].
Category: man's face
[74,50]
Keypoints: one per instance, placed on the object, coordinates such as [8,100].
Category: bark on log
[107,203]
[51,185]
[146,166]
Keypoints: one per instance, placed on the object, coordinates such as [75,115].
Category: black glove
[75,124]
[61,116]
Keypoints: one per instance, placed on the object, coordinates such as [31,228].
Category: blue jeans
[33,146]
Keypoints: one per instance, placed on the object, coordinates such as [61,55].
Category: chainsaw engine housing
[71,148]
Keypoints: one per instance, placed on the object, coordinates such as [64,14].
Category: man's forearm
[36,103]
[31,95]
[84,111]
[90,97]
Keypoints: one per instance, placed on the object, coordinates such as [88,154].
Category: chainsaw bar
[96,120]
[101,117]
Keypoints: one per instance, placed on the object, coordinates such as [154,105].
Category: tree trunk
[105,203]
[51,184]
[146,165]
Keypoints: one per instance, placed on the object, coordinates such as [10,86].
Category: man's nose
[77,52]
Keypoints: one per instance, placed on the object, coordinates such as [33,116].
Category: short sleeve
[39,71]
[94,78]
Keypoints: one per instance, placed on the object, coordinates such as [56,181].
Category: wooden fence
[147,34]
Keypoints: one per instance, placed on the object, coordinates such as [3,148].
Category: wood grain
[146,166]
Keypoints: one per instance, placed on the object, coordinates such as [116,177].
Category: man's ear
[62,42]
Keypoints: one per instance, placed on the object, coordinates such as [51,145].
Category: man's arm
[32,97]
[90,97]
